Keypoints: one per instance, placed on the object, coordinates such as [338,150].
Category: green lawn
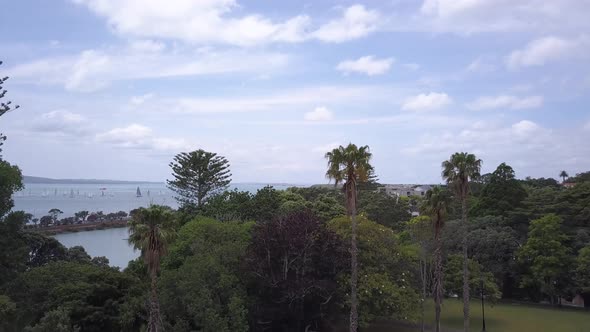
[504,318]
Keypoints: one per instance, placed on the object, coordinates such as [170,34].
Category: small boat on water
[138,193]
[72,193]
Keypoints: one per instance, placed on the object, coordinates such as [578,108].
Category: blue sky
[114,88]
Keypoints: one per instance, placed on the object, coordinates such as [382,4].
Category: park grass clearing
[502,317]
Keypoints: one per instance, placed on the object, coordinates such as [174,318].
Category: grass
[502,318]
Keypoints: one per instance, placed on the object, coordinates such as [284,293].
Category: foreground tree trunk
[466,296]
[423,276]
[351,196]
[438,279]
[154,323]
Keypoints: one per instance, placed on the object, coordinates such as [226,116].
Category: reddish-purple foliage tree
[294,260]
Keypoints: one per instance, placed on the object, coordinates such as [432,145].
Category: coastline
[54,230]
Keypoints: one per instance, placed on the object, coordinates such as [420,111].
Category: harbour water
[111,243]
[39,198]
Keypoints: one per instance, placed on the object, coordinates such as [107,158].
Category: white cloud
[138,100]
[547,49]
[214,21]
[524,145]
[427,102]
[93,70]
[293,99]
[356,22]
[481,65]
[195,21]
[506,101]
[474,16]
[319,114]
[326,147]
[136,136]
[367,65]
[60,122]
[525,128]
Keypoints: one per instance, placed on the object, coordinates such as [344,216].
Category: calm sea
[39,198]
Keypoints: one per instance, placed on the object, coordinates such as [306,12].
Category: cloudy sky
[114,88]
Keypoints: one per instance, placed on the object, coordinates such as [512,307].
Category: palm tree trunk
[438,279]
[154,323]
[423,276]
[353,258]
[465,265]
[353,277]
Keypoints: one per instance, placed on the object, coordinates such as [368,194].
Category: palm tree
[435,205]
[151,231]
[563,175]
[457,171]
[350,165]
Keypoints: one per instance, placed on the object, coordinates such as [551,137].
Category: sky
[113,89]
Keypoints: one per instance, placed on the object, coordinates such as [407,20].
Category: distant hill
[36,179]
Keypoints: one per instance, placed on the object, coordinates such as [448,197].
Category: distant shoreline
[54,230]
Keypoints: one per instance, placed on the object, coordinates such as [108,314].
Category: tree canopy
[198,175]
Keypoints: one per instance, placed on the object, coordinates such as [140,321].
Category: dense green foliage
[201,285]
[387,280]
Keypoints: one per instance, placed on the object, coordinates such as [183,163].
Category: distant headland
[37,179]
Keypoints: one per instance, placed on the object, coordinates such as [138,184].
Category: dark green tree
[563,175]
[388,287]
[230,205]
[151,230]
[461,168]
[5,106]
[202,285]
[384,209]
[197,175]
[545,256]
[436,206]
[10,182]
[501,195]
[351,165]
[266,204]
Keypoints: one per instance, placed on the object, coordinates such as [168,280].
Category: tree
[436,204]
[563,175]
[151,230]
[230,205]
[583,270]
[457,172]
[501,195]
[4,107]
[421,231]
[81,216]
[202,284]
[198,175]
[266,204]
[92,296]
[545,256]
[388,287]
[294,262]
[54,213]
[454,275]
[384,209]
[351,165]
[10,182]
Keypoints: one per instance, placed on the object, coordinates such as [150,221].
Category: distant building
[406,190]
[568,184]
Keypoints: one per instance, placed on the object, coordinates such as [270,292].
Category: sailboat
[138,193]
[72,193]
